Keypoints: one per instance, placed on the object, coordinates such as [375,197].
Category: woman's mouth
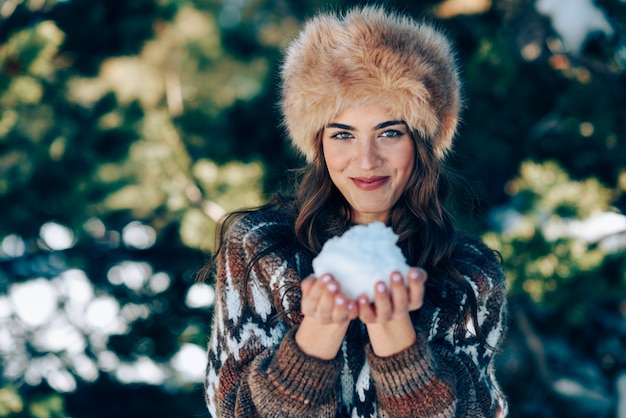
[370,183]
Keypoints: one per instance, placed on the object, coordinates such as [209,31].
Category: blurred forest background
[129,127]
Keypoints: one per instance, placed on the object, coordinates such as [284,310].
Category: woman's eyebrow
[379,126]
[390,123]
[340,126]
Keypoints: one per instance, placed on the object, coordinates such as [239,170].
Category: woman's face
[370,157]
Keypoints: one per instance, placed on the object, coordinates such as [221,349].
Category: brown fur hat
[370,56]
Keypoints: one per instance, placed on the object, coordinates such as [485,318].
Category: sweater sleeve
[448,376]
[255,368]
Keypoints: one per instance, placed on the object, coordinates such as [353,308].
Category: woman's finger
[366,310]
[399,295]
[417,277]
[312,291]
[343,309]
[307,284]
[325,305]
[309,296]
[382,302]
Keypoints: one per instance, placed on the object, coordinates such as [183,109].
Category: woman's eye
[392,133]
[341,135]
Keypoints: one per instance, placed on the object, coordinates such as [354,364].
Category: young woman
[371,99]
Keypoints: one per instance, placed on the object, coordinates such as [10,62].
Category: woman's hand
[322,300]
[387,319]
[327,314]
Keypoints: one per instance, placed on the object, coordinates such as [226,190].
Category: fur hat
[370,56]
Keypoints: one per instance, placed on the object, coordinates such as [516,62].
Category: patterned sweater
[255,368]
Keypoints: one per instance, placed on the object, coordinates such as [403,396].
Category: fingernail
[363,301]
[380,287]
[414,274]
[339,301]
[396,277]
[332,287]
[325,278]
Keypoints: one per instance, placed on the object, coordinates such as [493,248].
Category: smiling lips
[370,183]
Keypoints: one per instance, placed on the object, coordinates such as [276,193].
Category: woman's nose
[369,156]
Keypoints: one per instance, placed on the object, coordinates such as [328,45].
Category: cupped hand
[387,319]
[327,315]
[394,301]
[322,300]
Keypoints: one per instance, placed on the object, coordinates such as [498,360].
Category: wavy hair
[425,228]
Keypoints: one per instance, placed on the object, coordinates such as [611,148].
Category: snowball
[362,256]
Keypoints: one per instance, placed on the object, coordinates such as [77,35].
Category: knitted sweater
[255,368]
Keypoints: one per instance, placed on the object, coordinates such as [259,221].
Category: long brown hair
[425,228]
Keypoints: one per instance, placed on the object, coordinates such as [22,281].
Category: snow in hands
[361,257]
